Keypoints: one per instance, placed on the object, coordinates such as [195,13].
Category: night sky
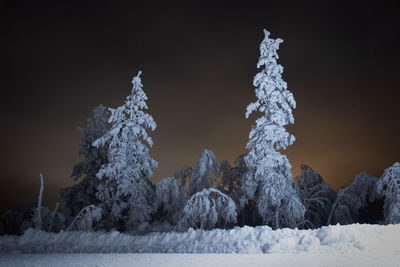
[60,60]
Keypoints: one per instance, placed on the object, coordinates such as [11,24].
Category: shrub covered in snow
[388,186]
[208,209]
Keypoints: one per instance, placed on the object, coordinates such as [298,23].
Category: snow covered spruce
[269,176]
[113,191]
[126,193]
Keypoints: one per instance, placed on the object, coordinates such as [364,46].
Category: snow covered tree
[126,192]
[205,174]
[231,177]
[170,198]
[230,180]
[316,196]
[388,186]
[83,193]
[269,176]
[208,209]
[351,199]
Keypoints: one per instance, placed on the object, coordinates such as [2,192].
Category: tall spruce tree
[127,193]
[269,177]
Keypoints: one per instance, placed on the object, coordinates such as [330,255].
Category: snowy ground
[350,245]
[195,260]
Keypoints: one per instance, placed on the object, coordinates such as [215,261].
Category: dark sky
[60,59]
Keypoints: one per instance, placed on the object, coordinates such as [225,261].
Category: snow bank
[343,240]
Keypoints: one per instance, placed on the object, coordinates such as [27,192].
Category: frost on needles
[269,176]
[127,192]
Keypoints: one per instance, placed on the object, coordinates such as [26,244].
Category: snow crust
[349,240]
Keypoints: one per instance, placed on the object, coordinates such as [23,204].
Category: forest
[113,188]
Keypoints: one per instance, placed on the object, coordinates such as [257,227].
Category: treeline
[209,196]
[113,189]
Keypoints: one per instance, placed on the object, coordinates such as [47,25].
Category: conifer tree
[269,176]
[83,193]
[126,192]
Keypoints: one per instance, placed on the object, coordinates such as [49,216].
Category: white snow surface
[337,245]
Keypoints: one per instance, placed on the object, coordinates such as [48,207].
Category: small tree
[269,175]
[316,196]
[205,174]
[388,186]
[351,199]
[208,209]
[126,192]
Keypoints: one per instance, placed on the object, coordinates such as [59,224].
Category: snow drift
[345,240]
